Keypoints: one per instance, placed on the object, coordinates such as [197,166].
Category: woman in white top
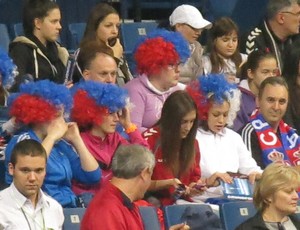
[224,56]
[222,150]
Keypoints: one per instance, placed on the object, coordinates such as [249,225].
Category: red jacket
[161,171]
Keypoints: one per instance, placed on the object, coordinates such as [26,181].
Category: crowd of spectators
[89,133]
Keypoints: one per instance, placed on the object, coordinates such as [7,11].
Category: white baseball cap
[189,15]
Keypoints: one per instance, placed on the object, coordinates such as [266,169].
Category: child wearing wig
[98,108]
[176,151]
[41,106]
[158,59]
[224,56]
[222,150]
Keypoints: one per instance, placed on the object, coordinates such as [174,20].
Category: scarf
[284,148]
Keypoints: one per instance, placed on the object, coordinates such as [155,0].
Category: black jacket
[257,223]
[33,58]
[262,38]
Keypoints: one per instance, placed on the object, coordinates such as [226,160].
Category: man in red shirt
[113,207]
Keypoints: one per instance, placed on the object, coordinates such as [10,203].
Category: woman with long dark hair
[103,27]
[173,143]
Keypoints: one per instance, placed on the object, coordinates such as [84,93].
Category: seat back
[176,214]
[77,31]
[150,219]
[73,218]
[4,38]
[232,214]
[130,33]
[18,29]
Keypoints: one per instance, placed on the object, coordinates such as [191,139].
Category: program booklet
[240,189]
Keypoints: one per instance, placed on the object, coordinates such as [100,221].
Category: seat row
[232,214]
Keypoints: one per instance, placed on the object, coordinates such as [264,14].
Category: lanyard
[24,214]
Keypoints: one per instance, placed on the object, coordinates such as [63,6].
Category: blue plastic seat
[150,219]
[175,214]
[18,29]
[73,218]
[4,38]
[130,34]
[232,214]
[77,31]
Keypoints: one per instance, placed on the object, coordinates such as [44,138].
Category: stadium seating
[73,218]
[4,38]
[150,219]
[197,215]
[233,214]
[77,31]
[130,34]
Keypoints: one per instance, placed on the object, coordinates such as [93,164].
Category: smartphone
[112,41]
[199,186]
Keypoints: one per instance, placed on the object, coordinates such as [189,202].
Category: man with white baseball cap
[188,20]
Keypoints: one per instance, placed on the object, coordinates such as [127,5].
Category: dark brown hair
[36,9]
[27,147]
[89,51]
[221,27]
[98,13]
[178,153]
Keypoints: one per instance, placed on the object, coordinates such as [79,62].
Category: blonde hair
[274,178]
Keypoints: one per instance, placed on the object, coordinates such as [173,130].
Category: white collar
[152,87]
[208,132]
[244,84]
[21,200]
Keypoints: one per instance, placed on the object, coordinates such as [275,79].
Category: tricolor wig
[8,70]
[93,100]
[39,102]
[159,49]
[214,87]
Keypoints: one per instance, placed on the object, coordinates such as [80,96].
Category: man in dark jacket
[278,31]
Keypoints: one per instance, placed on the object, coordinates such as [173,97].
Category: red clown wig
[155,54]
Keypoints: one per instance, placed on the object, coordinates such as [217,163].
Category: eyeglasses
[175,66]
[292,13]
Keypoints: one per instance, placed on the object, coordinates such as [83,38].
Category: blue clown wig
[159,49]
[216,87]
[39,102]
[93,100]
[8,70]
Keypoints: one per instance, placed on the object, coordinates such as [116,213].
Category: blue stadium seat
[77,31]
[248,14]
[232,214]
[176,214]
[130,34]
[18,29]
[150,219]
[219,8]
[4,37]
[73,218]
